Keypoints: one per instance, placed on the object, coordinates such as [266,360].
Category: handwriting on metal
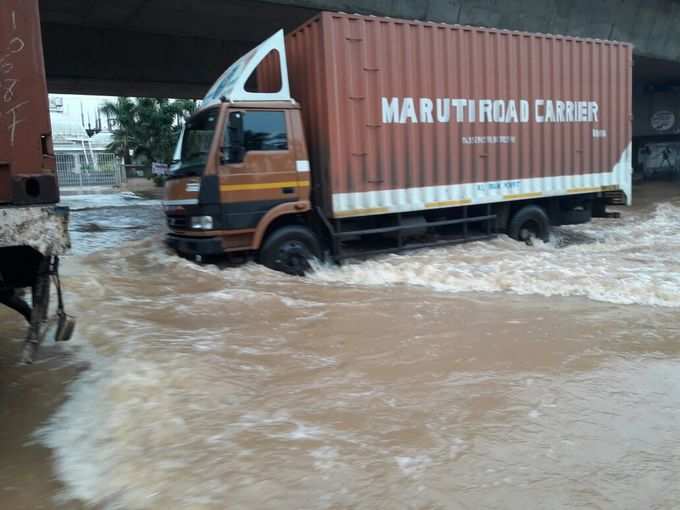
[11,106]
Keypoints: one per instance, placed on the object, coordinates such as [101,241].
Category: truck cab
[240,182]
[240,167]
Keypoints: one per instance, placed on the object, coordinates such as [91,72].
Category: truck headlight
[202,222]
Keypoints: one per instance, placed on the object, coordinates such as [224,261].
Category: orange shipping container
[405,115]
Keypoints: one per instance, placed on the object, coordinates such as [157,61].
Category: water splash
[627,262]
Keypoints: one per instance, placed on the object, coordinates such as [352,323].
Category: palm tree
[122,112]
[156,128]
[146,127]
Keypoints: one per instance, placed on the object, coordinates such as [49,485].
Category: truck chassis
[31,240]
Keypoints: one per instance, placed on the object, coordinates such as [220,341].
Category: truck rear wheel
[530,222]
[290,250]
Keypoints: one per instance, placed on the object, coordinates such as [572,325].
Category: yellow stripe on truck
[362,212]
[447,203]
[522,195]
[584,190]
[264,185]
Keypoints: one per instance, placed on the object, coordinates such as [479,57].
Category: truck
[33,229]
[356,135]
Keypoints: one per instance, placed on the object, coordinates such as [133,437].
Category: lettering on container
[443,110]
[498,186]
[474,140]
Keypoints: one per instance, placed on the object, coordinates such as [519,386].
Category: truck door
[257,169]
[259,156]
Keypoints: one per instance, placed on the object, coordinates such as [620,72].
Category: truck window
[265,131]
[198,135]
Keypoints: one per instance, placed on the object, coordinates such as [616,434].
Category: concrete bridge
[176,48]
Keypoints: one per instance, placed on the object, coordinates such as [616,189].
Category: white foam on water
[413,466]
[325,457]
[303,431]
[631,261]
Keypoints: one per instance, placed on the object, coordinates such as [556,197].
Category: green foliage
[158,180]
[122,110]
[148,127]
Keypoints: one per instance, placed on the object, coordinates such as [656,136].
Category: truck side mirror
[235,145]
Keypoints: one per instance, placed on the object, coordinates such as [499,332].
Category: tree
[122,112]
[147,126]
[184,108]
[156,129]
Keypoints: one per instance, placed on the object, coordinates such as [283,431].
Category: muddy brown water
[488,375]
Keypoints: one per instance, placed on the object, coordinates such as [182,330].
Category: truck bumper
[195,245]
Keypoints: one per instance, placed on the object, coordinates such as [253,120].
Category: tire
[290,250]
[530,222]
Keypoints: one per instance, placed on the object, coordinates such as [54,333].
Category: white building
[82,160]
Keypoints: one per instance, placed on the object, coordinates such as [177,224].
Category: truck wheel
[290,250]
[530,222]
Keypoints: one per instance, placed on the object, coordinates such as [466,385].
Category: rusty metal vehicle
[33,230]
[355,134]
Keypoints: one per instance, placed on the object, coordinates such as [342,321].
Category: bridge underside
[153,47]
[176,48]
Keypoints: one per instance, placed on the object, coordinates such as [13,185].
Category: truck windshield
[195,142]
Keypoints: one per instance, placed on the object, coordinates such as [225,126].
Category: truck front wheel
[530,222]
[290,250]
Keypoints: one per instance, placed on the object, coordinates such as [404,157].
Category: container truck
[359,134]
[33,230]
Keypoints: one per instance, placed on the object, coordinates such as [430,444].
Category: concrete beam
[177,48]
[651,25]
[119,62]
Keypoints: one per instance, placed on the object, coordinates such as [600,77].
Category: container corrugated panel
[25,133]
[405,115]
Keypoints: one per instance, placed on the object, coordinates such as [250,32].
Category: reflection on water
[492,375]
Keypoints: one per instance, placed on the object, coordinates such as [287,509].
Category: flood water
[486,375]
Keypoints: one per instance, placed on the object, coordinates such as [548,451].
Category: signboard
[159,168]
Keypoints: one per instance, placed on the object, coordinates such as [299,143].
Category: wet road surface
[487,375]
